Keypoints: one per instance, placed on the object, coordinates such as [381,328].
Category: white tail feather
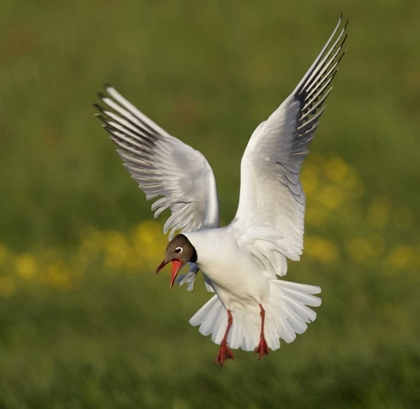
[286,314]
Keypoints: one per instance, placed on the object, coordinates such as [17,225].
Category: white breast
[235,275]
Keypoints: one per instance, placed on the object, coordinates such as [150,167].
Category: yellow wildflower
[57,275]
[321,249]
[331,197]
[336,169]
[353,185]
[402,256]
[26,265]
[316,215]
[378,212]
[309,177]
[148,244]
[360,249]
[116,249]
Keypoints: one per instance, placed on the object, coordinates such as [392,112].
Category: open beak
[161,265]
[176,266]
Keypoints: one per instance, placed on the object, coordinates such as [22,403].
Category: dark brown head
[180,251]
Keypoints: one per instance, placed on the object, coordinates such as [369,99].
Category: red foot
[262,348]
[224,351]
[224,354]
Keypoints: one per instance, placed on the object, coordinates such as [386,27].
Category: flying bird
[243,263]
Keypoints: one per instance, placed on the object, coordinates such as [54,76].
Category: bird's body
[242,262]
[234,274]
[242,284]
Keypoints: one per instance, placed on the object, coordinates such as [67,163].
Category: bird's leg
[224,351]
[262,348]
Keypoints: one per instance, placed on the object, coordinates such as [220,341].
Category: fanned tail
[287,313]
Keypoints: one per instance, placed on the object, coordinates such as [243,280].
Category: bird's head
[180,251]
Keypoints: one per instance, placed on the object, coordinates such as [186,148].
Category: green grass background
[208,72]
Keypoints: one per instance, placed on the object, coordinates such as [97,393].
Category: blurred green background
[83,321]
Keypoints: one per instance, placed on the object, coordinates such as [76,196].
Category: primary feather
[270,216]
[157,161]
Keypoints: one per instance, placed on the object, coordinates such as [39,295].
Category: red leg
[224,351]
[262,348]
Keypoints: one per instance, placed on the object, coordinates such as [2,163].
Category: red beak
[176,266]
[161,265]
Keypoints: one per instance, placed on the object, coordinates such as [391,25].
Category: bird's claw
[223,354]
[262,348]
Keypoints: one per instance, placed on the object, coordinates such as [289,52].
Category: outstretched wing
[162,166]
[270,215]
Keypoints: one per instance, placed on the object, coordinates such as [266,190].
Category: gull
[243,263]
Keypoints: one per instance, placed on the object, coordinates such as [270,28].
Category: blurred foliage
[83,322]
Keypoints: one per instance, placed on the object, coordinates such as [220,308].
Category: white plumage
[241,262]
[241,284]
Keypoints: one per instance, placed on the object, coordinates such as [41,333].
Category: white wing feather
[162,166]
[270,218]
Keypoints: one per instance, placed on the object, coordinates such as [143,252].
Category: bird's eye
[178,250]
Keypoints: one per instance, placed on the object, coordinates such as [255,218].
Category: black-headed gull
[241,262]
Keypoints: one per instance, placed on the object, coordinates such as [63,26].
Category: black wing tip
[98,107]
[333,75]
[341,19]
[101,95]
[342,16]
[102,119]
[337,40]
[108,88]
